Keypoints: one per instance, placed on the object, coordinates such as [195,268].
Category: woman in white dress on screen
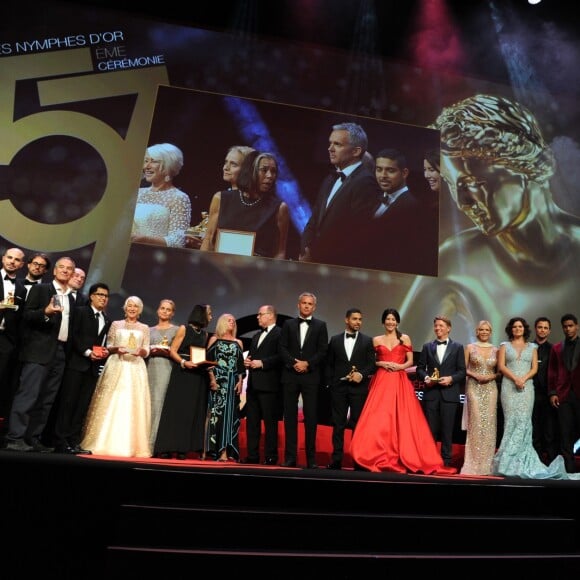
[163,211]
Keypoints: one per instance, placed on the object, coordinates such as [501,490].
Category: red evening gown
[392,433]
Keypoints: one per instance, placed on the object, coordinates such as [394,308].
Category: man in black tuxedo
[89,329]
[441,367]
[37,265]
[350,363]
[45,332]
[12,299]
[409,217]
[76,283]
[303,347]
[263,400]
[349,193]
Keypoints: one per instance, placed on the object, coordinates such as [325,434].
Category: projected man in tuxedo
[407,218]
[349,193]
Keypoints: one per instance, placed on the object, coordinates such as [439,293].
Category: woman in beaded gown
[392,433]
[518,363]
[163,211]
[253,207]
[159,362]
[480,407]
[182,421]
[119,418]
[226,379]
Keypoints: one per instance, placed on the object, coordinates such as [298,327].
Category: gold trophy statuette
[435,376]
[348,377]
[9,300]
[164,341]
[132,342]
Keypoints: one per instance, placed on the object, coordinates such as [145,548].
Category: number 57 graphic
[68,77]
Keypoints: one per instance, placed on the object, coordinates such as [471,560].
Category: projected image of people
[498,166]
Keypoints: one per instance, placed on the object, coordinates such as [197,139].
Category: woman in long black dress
[182,422]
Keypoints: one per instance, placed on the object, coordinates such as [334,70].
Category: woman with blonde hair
[163,211]
[119,417]
[225,381]
[480,406]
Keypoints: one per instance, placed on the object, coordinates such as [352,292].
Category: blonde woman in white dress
[163,211]
[119,417]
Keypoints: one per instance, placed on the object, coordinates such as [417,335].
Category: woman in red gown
[392,433]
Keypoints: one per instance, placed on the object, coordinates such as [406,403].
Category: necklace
[250,204]
[483,344]
[195,329]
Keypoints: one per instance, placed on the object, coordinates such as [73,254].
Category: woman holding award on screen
[253,212]
[163,211]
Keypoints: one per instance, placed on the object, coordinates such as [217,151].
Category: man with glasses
[263,400]
[87,354]
[38,264]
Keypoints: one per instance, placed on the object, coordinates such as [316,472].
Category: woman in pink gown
[392,433]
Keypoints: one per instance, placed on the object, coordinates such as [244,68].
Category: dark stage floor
[89,517]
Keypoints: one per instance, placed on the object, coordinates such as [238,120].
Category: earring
[167,179]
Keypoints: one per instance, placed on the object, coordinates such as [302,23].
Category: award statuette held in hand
[8,302]
[348,377]
[435,376]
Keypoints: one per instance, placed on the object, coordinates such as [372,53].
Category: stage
[92,517]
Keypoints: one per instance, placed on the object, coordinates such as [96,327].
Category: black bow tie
[348,335]
[307,320]
[341,175]
[29,282]
[97,315]
[441,342]
[13,280]
[265,330]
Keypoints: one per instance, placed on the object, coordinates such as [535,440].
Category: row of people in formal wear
[36,327]
[128,389]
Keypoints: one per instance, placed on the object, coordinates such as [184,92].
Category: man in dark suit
[350,193]
[441,367]
[544,415]
[12,299]
[350,363]
[411,217]
[76,283]
[564,387]
[45,332]
[303,346]
[89,329]
[263,400]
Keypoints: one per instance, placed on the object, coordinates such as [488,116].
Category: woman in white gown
[119,417]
